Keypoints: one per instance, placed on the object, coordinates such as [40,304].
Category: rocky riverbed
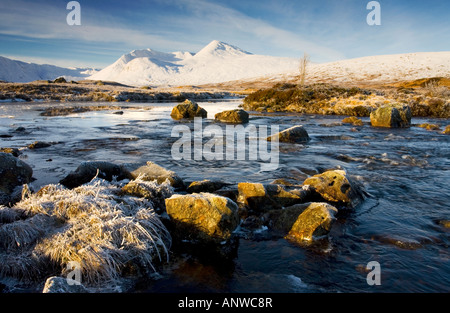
[110,197]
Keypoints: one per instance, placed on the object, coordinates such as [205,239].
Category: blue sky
[37,31]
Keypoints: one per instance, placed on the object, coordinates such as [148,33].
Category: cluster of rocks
[203,216]
[190,109]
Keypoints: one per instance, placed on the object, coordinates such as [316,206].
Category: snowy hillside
[381,68]
[23,72]
[215,63]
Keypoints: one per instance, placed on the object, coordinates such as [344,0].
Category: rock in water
[13,172]
[39,145]
[88,170]
[152,171]
[446,130]
[315,220]
[237,116]
[203,217]
[336,186]
[260,198]
[56,284]
[205,186]
[188,109]
[391,116]
[295,134]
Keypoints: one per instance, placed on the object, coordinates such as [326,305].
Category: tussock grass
[94,224]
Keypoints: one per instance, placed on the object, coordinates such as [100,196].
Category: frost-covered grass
[106,231]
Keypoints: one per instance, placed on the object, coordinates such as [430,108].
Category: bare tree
[304,61]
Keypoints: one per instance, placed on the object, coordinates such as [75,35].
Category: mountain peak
[222,49]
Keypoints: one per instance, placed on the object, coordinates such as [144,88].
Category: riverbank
[425,98]
[101,91]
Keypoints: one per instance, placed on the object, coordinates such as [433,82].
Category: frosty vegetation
[108,232]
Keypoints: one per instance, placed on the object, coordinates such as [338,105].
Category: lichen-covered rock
[152,171]
[295,134]
[237,116]
[336,186]
[188,109]
[260,198]
[203,217]
[315,220]
[13,172]
[86,171]
[391,116]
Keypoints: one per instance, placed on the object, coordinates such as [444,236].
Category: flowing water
[405,171]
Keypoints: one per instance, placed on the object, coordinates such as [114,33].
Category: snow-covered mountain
[23,72]
[215,63]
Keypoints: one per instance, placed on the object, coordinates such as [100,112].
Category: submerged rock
[391,116]
[336,186]
[237,116]
[152,171]
[188,109]
[13,172]
[88,170]
[295,134]
[203,217]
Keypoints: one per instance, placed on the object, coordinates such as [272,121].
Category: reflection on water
[406,172]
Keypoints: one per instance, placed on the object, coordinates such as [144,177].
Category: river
[406,172]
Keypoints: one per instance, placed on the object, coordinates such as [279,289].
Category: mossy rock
[391,116]
[237,116]
[188,110]
[335,186]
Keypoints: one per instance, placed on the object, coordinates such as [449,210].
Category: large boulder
[154,172]
[13,172]
[336,186]
[391,116]
[188,109]
[202,217]
[295,134]
[237,116]
[86,171]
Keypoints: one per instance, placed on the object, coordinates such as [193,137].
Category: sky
[327,30]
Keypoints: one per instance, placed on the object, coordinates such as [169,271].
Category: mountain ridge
[23,72]
[214,63]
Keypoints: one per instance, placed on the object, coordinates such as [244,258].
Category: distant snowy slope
[380,68]
[215,63]
[23,72]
